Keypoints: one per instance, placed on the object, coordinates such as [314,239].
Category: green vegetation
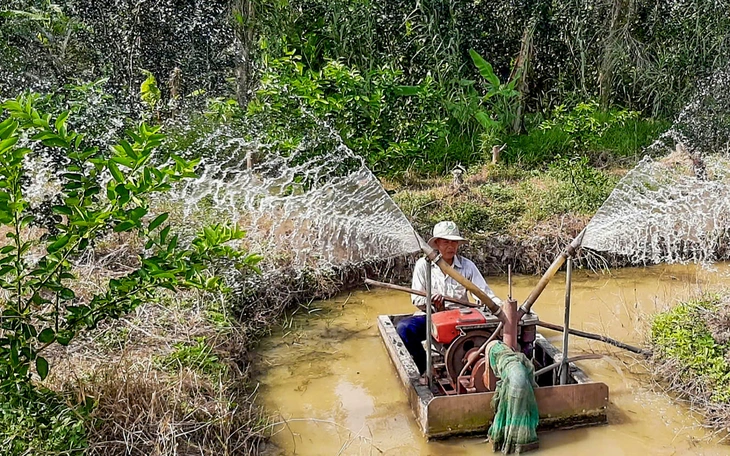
[693,336]
[41,302]
[198,356]
[38,421]
[510,199]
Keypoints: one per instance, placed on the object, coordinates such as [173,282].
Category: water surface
[328,377]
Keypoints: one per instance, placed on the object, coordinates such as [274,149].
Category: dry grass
[668,377]
[143,408]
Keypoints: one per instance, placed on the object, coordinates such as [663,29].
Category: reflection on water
[331,380]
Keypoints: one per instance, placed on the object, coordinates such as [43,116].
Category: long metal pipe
[568,282]
[545,279]
[391,286]
[509,333]
[429,374]
[434,256]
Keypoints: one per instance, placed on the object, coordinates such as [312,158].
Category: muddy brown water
[327,377]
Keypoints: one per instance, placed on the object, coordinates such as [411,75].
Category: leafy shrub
[586,123]
[681,334]
[97,193]
[391,125]
[38,421]
[585,187]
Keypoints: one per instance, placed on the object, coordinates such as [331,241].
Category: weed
[199,357]
[682,335]
[39,421]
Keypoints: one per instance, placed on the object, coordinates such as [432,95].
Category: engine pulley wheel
[456,354]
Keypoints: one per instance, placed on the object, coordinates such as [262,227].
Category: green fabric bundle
[515,419]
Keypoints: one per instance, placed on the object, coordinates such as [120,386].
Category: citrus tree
[100,192]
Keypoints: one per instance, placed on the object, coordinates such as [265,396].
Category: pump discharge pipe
[569,251]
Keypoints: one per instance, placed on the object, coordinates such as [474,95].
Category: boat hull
[579,403]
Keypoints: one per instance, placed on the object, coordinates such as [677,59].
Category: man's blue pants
[413,331]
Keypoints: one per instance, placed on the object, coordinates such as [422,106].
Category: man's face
[447,248]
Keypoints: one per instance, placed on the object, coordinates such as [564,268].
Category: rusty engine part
[459,334]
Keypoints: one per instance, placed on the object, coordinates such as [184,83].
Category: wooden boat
[580,402]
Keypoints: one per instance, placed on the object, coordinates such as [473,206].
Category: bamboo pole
[566,334]
[545,279]
[429,374]
[391,286]
[598,337]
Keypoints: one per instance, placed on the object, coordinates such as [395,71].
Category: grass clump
[692,354]
[198,356]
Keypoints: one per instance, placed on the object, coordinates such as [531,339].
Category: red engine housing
[443,324]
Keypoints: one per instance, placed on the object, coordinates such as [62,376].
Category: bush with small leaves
[100,192]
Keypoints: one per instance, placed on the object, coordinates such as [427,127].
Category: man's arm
[478,280]
[419,283]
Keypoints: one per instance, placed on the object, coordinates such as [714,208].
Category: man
[446,239]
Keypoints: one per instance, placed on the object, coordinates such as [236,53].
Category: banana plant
[498,107]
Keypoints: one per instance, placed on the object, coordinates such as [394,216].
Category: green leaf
[128,162]
[59,244]
[485,68]
[124,226]
[137,213]
[123,194]
[73,176]
[55,142]
[127,148]
[27,220]
[163,234]
[7,128]
[41,366]
[159,220]
[61,121]
[46,336]
[8,143]
[485,121]
[406,91]
[63,210]
[116,174]
[67,294]
[64,337]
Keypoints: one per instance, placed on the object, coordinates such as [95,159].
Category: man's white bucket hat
[445,230]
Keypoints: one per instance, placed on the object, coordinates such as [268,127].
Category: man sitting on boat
[446,239]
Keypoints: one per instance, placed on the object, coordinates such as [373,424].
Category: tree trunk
[522,68]
[244,14]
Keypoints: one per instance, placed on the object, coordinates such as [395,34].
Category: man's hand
[438,302]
